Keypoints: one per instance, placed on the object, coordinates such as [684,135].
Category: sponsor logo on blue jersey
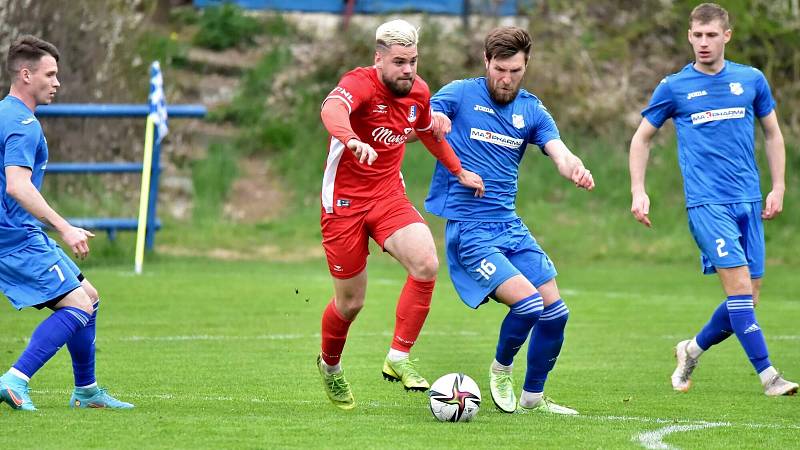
[717,114]
[696,94]
[485,109]
[494,138]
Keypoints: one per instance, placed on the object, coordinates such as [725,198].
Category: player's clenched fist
[582,178]
[640,208]
[364,152]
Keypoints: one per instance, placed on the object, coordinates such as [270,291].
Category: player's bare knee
[425,269]
[351,309]
[94,296]
[350,302]
[78,299]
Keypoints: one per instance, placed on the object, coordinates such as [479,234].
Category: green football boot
[406,372]
[501,386]
[547,406]
[337,387]
[95,397]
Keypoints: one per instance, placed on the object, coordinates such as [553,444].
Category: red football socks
[334,334]
[412,309]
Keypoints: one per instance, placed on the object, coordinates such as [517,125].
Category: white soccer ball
[455,397]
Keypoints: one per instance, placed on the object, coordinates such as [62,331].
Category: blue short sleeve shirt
[714,118]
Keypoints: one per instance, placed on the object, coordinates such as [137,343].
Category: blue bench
[112,224]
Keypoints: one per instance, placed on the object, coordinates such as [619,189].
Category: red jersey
[382,120]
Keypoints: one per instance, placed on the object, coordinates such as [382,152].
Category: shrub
[226,26]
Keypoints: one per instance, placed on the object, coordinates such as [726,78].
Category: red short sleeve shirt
[382,120]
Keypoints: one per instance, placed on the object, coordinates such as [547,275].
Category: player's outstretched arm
[441,125]
[776,158]
[445,154]
[637,162]
[336,118]
[21,189]
[569,166]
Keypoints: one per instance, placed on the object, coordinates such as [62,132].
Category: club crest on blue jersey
[412,113]
[736,88]
[518,120]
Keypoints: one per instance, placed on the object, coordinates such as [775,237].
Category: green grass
[220,354]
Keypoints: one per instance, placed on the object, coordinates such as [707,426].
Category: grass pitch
[221,355]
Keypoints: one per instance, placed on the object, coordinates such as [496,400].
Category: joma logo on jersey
[344,93]
[387,136]
[494,138]
[694,94]
[717,114]
[485,109]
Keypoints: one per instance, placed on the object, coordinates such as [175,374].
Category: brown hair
[708,12]
[28,50]
[505,42]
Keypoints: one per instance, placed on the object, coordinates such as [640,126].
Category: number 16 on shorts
[486,269]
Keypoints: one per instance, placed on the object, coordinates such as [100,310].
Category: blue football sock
[717,329]
[50,336]
[545,345]
[515,328]
[743,320]
[81,348]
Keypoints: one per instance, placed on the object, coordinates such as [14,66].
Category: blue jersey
[714,117]
[490,140]
[22,143]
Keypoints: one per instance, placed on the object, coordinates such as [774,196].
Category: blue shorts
[482,255]
[728,236]
[37,273]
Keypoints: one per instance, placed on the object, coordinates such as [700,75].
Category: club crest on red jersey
[412,113]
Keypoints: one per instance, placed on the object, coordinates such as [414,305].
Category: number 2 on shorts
[720,244]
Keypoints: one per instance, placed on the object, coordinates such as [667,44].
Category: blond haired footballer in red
[370,115]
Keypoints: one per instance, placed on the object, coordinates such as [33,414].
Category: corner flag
[158,104]
[156,119]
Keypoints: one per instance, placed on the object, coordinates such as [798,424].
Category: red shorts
[346,238]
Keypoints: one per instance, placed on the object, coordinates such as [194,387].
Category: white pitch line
[260,337]
[276,337]
[682,421]
[644,438]
[786,337]
[654,439]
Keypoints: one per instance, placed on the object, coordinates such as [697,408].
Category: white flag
[157,101]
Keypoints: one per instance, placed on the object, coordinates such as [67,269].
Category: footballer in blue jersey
[714,104]
[490,251]
[34,271]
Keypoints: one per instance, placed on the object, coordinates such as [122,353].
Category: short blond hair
[396,32]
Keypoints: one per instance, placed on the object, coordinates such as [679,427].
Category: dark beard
[397,89]
[503,98]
